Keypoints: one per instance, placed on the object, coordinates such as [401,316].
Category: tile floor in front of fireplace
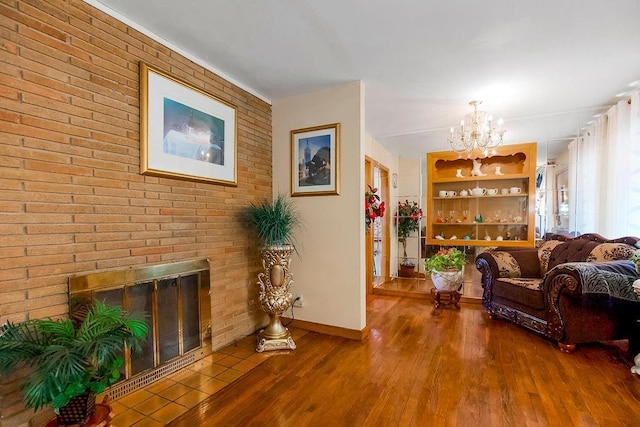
[165,400]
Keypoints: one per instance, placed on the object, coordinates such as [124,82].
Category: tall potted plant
[407,220]
[275,223]
[70,363]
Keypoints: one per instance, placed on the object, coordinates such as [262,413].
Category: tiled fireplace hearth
[176,298]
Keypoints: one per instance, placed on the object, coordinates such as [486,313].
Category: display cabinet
[482,200]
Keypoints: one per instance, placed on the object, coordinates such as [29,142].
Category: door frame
[369,167]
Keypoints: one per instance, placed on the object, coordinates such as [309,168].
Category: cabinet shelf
[479,223]
[496,196]
[481,178]
[474,242]
[517,164]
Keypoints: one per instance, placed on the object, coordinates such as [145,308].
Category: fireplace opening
[176,298]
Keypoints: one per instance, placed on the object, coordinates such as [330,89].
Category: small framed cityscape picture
[185,133]
[315,161]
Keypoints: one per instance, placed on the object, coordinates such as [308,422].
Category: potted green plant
[70,363]
[446,268]
[407,220]
[275,223]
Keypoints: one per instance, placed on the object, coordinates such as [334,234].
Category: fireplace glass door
[177,305]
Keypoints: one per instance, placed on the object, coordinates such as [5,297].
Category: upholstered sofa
[571,290]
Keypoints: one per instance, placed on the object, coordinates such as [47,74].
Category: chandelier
[476,132]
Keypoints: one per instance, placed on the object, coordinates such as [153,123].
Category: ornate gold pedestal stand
[275,297]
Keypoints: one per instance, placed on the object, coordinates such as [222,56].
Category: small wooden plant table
[446,297]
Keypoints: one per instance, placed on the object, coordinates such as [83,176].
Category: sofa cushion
[576,250]
[611,252]
[522,290]
[507,264]
[544,253]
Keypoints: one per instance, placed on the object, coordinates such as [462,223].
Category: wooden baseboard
[337,331]
[400,293]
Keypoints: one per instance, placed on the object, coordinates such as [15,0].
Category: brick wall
[72,199]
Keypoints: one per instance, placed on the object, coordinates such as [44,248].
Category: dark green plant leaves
[67,361]
[275,222]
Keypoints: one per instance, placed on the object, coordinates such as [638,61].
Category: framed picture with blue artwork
[315,161]
[185,132]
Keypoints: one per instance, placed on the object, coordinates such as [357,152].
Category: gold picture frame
[185,132]
[315,161]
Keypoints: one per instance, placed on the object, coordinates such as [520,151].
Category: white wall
[380,154]
[330,269]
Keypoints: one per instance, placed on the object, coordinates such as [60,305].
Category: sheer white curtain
[608,172]
[585,154]
[617,166]
[634,171]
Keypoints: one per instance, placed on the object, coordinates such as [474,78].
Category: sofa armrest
[575,279]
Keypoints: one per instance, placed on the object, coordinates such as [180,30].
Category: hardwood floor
[426,367]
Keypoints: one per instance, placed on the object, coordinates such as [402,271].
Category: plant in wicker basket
[70,361]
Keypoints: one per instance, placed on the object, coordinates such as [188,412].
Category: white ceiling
[546,67]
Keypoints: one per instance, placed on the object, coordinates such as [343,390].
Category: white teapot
[478,191]
[464,193]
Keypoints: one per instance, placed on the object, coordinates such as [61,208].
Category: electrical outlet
[299,301]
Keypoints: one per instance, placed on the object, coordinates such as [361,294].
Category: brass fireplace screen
[176,298]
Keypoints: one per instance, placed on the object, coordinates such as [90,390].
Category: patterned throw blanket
[614,278]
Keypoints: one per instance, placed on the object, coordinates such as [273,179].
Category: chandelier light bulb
[476,132]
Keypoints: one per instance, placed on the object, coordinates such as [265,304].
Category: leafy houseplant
[446,268]
[68,361]
[275,223]
[407,220]
[445,259]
